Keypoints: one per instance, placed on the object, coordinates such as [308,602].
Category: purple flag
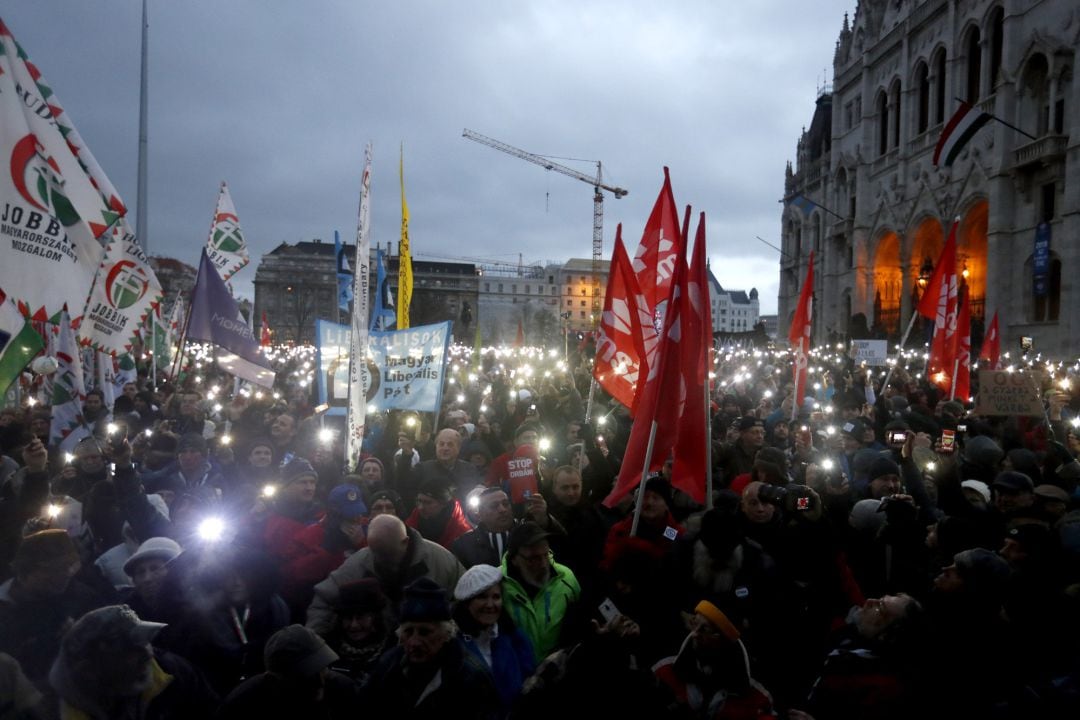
[215,318]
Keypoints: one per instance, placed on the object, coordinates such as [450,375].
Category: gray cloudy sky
[278,99]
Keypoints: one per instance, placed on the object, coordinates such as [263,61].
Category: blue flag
[803,203]
[383,316]
[344,275]
[215,318]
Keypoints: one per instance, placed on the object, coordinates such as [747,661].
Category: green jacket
[541,617]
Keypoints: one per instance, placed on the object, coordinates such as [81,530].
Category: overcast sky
[278,99]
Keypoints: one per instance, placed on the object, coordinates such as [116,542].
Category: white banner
[55,201]
[874,353]
[358,389]
[226,247]
[124,293]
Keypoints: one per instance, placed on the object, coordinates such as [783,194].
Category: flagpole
[1003,122]
[153,354]
[641,485]
[708,438]
[900,352]
[955,369]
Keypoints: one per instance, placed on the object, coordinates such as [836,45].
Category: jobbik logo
[37,179]
[125,284]
[226,236]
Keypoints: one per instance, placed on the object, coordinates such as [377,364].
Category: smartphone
[804,435]
[948,441]
[961,428]
[608,611]
[897,437]
[1025,343]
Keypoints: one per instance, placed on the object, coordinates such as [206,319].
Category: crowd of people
[878,552]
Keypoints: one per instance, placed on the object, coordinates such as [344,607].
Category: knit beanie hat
[297,651]
[984,572]
[983,451]
[883,466]
[360,596]
[476,580]
[424,601]
[297,468]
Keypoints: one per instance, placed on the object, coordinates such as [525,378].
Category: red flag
[799,334]
[265,337]
[939,303]
[655,408]
[519,341]
[656,254]
[961,384]
[691,451]
[620,351]
[991,347]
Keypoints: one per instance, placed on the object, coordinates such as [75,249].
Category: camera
[778,495]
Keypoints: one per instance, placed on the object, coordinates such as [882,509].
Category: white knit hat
[476,580]
[156,547]
[978,486]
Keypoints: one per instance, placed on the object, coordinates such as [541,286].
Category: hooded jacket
[541,617]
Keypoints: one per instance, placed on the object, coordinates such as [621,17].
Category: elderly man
[429,673]
[456,474]
[438,515]
[737,458]
[538,592]
[108,669]
[395,556]
[488,541]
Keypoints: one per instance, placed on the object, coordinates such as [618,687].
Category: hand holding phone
[948,441]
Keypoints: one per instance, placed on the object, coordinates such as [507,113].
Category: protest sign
[871,352]
[1005,393]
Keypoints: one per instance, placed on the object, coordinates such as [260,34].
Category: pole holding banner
[358,342]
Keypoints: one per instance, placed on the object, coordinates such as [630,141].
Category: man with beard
[395,556]
[868,669]
[429,673]
[538,592]
[108,669]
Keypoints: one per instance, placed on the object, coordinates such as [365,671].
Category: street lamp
[925,272]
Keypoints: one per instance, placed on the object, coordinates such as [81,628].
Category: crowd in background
[878,552]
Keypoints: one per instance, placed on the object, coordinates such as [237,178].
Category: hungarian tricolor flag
[939,303]
[620,351]
[991,346]
[799,335]
[961,127]
[655,256]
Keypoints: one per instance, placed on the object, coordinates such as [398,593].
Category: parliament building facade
[879,211]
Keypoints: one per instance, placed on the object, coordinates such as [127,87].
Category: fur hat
[424,601]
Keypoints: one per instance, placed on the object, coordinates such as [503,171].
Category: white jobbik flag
[55,201]
[226,247]
[125,291]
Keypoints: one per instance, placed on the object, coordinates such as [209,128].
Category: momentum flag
[344,275]
[961,127]
[125,292]
[225,246]
[55,201]
[215,318]
[19,343]
[359,379]
[799,336]
[405,274]
[620,353]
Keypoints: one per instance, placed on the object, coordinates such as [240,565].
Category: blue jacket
[512,661]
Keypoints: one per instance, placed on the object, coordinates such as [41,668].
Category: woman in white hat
[489,633]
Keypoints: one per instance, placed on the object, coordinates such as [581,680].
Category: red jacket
[659,538]
[456,525]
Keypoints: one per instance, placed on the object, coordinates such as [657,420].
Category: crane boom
[598,200]
[544,162]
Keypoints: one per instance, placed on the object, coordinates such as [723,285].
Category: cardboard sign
[872,352]
[521,474]
[1005,393]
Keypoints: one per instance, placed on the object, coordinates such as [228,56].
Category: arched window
[922,83]
[894,98]
[1064,87]
[940,86]
[1035,92]
[881,105]
[997,41]
[973,50]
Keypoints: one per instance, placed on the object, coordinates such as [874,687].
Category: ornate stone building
[880,210]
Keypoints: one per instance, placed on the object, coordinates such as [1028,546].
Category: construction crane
[598,199]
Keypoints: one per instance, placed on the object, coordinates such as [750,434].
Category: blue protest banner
[1041,260]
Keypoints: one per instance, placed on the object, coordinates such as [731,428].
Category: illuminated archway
[928,240]
[971,251]
[888,284]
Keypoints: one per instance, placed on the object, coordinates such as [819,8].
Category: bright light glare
[212,529]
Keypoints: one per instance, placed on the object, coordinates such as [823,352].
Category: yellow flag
[405,258]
